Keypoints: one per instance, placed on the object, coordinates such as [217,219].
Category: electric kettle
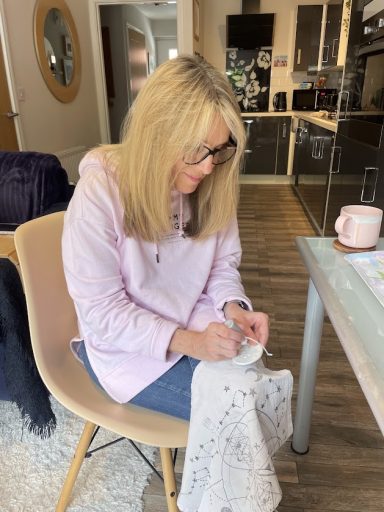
[280,102]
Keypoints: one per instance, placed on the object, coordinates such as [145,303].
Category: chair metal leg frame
[89,432]
[91,452]
[145,459]
[74,469]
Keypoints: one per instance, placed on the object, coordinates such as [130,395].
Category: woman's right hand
[215,343]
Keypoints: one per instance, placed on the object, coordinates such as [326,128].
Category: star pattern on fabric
[243,438]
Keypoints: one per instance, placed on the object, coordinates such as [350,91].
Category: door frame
[184,43]
[10,77]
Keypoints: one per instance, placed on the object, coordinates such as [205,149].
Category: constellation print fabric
[240,417]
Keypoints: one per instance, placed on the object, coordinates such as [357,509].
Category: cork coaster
[343,248]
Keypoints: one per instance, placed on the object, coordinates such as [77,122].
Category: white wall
[215,26]
[164,28]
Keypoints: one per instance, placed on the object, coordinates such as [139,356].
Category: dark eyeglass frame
[231,144]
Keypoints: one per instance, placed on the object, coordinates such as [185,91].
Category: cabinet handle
[341,93]
[284,133]
[248,123]
[335,149]
[369,184]
[326,46]
[333,47]
[314,147]
[318,148]
[299,133]
[298,60]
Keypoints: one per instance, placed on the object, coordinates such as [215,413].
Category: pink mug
[358,226]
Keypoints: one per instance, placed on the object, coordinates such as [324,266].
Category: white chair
[53,323]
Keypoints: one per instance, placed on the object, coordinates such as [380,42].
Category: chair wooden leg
[169,479]
[74,469]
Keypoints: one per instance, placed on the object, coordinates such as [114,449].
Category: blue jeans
[170,393]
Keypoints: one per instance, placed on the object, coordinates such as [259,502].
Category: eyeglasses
[219,155]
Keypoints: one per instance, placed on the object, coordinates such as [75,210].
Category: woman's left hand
[254,324]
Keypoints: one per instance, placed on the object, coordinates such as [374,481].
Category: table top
[355,312]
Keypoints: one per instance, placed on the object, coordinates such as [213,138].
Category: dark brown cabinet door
[356,178]
[260,155]
[332,35]
[267,144]
[308,30]
[311,165]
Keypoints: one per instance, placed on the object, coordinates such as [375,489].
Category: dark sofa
[31,184]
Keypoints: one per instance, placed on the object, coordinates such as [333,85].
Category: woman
[151,246]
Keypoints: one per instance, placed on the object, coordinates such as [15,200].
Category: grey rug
[32,470]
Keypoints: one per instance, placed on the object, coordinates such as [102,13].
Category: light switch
[21,93]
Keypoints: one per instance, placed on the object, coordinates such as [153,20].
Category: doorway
[137,62]
[129,52]
[8,136]
[166,48]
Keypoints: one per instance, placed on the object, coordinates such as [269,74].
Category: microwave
[310,99]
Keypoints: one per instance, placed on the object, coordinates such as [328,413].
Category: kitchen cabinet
[267,144]
[356,177]
[332,35]
[357,173]
[351,170]
[315,48]
[308,33]
[311,167]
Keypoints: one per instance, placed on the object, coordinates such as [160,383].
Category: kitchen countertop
[266,114]
[318,118]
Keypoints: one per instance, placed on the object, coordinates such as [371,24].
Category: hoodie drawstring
[180,228]
[157,253]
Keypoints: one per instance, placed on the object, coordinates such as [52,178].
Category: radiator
[70,159]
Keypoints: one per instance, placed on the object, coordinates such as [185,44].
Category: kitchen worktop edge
[312,117]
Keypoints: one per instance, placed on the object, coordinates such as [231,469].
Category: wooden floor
[344,469]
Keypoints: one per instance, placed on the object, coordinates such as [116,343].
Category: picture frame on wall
[68,69]
[196,19]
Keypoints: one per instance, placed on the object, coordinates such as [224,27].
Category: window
[172,53]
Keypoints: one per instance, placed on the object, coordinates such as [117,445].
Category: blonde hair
[174,112]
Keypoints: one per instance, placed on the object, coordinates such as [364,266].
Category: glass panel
[361,307]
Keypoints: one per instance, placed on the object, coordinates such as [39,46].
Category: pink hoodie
[128,303]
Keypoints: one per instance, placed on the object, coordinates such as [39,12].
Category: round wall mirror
[57,48]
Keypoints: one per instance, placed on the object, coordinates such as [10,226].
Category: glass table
[358,319]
